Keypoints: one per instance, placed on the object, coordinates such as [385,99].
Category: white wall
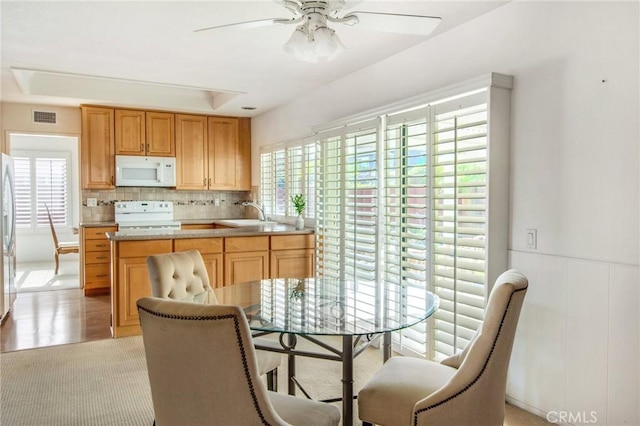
[574,177]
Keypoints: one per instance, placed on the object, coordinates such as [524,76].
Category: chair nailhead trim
[236,323]
[484,367]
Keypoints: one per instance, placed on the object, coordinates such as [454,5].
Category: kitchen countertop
[243,231]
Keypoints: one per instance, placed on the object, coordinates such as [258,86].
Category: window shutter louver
[41,178]
[22,170]
[460,220]
[406,219]
[285,172]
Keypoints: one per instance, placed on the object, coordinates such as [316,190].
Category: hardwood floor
[49,318]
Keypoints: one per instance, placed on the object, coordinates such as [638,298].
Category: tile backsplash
[186,204]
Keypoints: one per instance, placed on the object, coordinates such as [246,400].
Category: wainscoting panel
[577,348]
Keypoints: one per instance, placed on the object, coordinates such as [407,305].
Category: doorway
[46,172]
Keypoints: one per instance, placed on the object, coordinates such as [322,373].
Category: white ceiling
[145,53]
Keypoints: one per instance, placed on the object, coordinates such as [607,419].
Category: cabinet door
[130,132]
[160,134]
[224,153]
[191,152]
[134,283]
[97,149]
[214,265]
[245,266]
[292,263]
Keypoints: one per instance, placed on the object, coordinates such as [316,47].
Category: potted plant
[299,203]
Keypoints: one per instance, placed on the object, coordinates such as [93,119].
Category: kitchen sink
[245,222]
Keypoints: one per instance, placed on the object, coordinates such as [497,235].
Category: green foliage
[299,203]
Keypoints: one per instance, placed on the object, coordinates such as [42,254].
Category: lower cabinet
[292,256]
[229,260]
[246,259]
[130,268]
[95,256]
[211,251]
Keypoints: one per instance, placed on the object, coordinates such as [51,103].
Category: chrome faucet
[261,215]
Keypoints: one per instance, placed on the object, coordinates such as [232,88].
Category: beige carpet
[105,383]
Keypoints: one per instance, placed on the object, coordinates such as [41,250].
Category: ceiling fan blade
[396,23]
[246,24]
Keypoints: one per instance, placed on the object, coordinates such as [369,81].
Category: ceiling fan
[314,41]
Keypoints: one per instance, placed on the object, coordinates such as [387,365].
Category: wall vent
[45,117]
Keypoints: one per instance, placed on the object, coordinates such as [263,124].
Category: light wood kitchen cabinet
[191,152]
[160,134]
[192,226]
[130,132]
[97,149]
[129,264]
[292,256]
[245,259]
[213,153]
[144,133]
[211,251]
[225,155]
[95,255]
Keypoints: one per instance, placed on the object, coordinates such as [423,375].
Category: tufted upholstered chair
[183,276]
[203,370]
[465,389]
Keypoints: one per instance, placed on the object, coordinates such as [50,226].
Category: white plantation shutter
[459,168]
[41,178]
[329,206]
[22,170]
[347,203]
[287,171]
[407,221]
[402,201]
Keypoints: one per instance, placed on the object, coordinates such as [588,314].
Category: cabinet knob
[142,147]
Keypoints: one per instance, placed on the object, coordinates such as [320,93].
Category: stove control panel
[143,206]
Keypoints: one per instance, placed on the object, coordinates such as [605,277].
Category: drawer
[97,273]
[203,245]
[291,242]
[143,248]
[97,257]
[188,227]
[96,245]
[239,244]
[91,233]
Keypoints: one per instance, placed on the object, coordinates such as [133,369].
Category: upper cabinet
[97,148]
[144,133]
[213,153]
[160,134]
[191,152]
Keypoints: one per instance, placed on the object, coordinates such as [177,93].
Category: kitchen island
[231,254]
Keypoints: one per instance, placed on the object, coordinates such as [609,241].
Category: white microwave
[132,170]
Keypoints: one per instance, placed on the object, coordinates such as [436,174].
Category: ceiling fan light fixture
[314,43]
[296,45]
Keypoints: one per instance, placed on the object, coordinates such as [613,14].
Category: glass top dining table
[309,308]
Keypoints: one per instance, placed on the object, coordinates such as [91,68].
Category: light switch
[92,202]
[216,202]
[532,238]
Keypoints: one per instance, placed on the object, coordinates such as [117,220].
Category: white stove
[140,216]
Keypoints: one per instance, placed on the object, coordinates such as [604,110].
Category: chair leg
[57,264]
[272,380]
